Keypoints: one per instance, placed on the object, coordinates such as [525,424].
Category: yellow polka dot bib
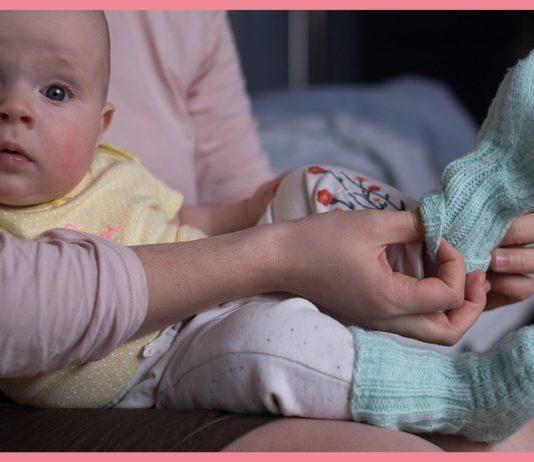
[118,199]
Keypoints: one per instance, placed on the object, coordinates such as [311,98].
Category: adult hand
[509,264]
[338,260]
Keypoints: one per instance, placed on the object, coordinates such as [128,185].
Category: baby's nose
[16,109]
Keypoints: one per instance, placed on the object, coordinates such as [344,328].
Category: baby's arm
[226,218]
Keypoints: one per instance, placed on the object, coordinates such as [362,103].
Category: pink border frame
[268,5]
[267,457]
[272,4]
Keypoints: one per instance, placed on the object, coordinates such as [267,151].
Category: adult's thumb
[400,227]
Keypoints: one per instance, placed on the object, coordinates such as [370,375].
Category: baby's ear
[106,117]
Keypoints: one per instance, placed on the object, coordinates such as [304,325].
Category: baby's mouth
[13,156]
[12,149]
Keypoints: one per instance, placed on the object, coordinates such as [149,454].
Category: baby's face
[52,107]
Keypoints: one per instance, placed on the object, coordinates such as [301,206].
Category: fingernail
[501,259]
[487,286]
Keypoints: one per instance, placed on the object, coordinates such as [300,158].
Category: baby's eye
[56,93]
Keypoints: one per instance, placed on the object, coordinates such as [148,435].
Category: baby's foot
[484,397]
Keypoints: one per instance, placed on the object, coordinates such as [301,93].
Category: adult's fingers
[498,300]
[444,327]
[513,260]
[440,293]
[521,231]
[508,288]
[475,301]
[397,227]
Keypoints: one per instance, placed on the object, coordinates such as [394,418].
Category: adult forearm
[66,297]
[188,277]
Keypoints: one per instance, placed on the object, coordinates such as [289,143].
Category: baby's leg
[319,189]
[267,354]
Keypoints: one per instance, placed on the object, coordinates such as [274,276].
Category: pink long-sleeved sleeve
[229,159]
[181,103]
[66,297]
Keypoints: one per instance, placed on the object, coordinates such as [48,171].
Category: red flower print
[315,169]
[374,188]
[325,197]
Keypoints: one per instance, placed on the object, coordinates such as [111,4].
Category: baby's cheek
[70,166]
[77,165]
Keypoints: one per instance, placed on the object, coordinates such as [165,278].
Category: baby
[266,353]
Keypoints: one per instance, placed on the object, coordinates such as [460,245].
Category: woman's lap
[321,435]
[327,435]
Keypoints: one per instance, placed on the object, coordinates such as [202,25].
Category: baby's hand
[256,204]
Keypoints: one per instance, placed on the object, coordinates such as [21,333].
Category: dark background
[468,50]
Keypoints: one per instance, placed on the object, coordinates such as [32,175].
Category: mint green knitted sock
[481,193]
[485,397]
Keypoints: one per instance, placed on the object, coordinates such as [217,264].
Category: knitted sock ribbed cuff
[483,397]
[481,193]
